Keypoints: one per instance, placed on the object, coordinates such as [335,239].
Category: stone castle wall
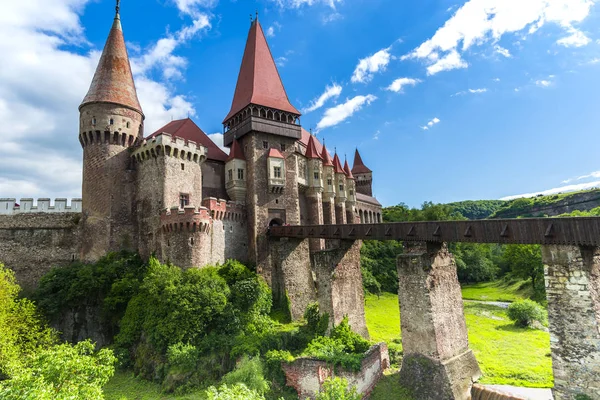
[31,244]
[10,206]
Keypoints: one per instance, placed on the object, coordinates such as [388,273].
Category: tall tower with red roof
[111,121]
[362,175]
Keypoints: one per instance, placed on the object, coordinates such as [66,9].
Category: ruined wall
[573,289]
[307,375]
[31,244]
[339,284]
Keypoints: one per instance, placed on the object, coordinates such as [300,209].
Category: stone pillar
[350,215]
[437,363]
[340,213]
[339,284]
[573,292]
[292,280]
[328,211]
[315,217]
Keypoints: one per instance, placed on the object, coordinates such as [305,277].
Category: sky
[446,100]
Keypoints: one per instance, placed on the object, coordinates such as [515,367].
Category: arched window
[94,121]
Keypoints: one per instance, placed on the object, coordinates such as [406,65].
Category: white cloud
[331,92]
[502,51]
[334,16]
[595,174]
[480,21]
[431,123]
[369,66]
[451,61]
[562,189]
[472,91]
[217,138]
[576,39]
[300,3]
[276,27]
[376,135]
[496,79]
[339,113]
[47,71]
[399,84]
[543,83]
[270,31]
[281,61]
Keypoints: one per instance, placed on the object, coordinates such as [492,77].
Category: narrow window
[240,174]
[94,121]
[182,166]
[329,182]
[282,146]
[265,144]
[184,200]
[128,124]
[230,174]
[341,188]
[352,193]
[277,172]
[112,121]
[316,176]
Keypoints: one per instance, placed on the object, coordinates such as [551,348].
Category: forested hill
[539,206]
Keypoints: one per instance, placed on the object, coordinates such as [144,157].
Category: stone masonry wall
[213,179]
[307,375]
[339,285]
[31,244]
[572,283]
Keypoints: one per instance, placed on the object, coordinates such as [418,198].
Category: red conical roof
[359,167]
[326,158]
[236,152]
[337,166]
[259,81]
[113,80]
[311,149]
[347,170]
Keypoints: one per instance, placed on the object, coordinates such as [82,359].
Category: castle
[174,193]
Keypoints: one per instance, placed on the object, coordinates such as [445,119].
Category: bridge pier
[339,284]
[573,290]
[437,363]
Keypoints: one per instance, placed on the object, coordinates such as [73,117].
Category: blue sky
[446,100]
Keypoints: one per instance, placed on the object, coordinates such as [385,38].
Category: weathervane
[118,6]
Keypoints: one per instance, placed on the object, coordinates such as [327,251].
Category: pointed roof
[259,81]
[236,152]
[359,167]
[113,80]
[188,130]
[326,157]
[347,170]
[274,153]
[337,166]
[311,149]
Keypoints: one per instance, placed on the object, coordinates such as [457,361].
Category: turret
[351,193]
[236,173]
[111,121]
[340,191]
[363,176]
[328,174]
[315,167]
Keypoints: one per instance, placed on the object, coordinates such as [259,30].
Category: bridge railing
[583,231]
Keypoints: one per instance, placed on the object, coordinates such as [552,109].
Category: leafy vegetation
[477,209]
[337,389]
[505,290]
[540,206]
[525,313]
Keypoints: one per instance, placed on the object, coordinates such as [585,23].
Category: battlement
[171,146]
[189,219]
[10,206]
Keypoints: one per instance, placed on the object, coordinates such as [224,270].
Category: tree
[525,261]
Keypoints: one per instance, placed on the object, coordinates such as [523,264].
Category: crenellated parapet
[10,206]
[188,219]
[170,146]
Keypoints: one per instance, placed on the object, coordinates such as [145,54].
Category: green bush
[337,389]
[525,312]
[316,323]
[62,372]
[235,392]
[249,371]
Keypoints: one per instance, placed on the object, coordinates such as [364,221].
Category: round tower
[363,176]
[111,121]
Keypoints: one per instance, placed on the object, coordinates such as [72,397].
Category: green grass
[501,290]
[507,355]
[124,386]
[389,387]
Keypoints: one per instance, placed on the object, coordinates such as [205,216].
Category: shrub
[249,371]
[337,389]
[235,392]
[273,360]
[316,323]
[62,372]
[183,356]
[525,312]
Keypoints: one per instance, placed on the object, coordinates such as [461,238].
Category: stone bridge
[438,363]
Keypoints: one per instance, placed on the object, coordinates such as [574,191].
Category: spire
[347,170]
[236,152]
[113,80]
[259,81]
[325,156]
[337,166]
[359,167]
[311,149]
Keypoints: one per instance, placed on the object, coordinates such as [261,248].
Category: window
[282,146]
[182,166]
[128,124]
[94,121]
[341,188]
[316,176]
[240,174]
[277,172]
[111,122]
[265,144]
[230,174]
[352,193]
[329,182]
[184,200]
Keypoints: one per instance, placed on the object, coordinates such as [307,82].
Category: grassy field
[124,386]
[497,291]
[507,355]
